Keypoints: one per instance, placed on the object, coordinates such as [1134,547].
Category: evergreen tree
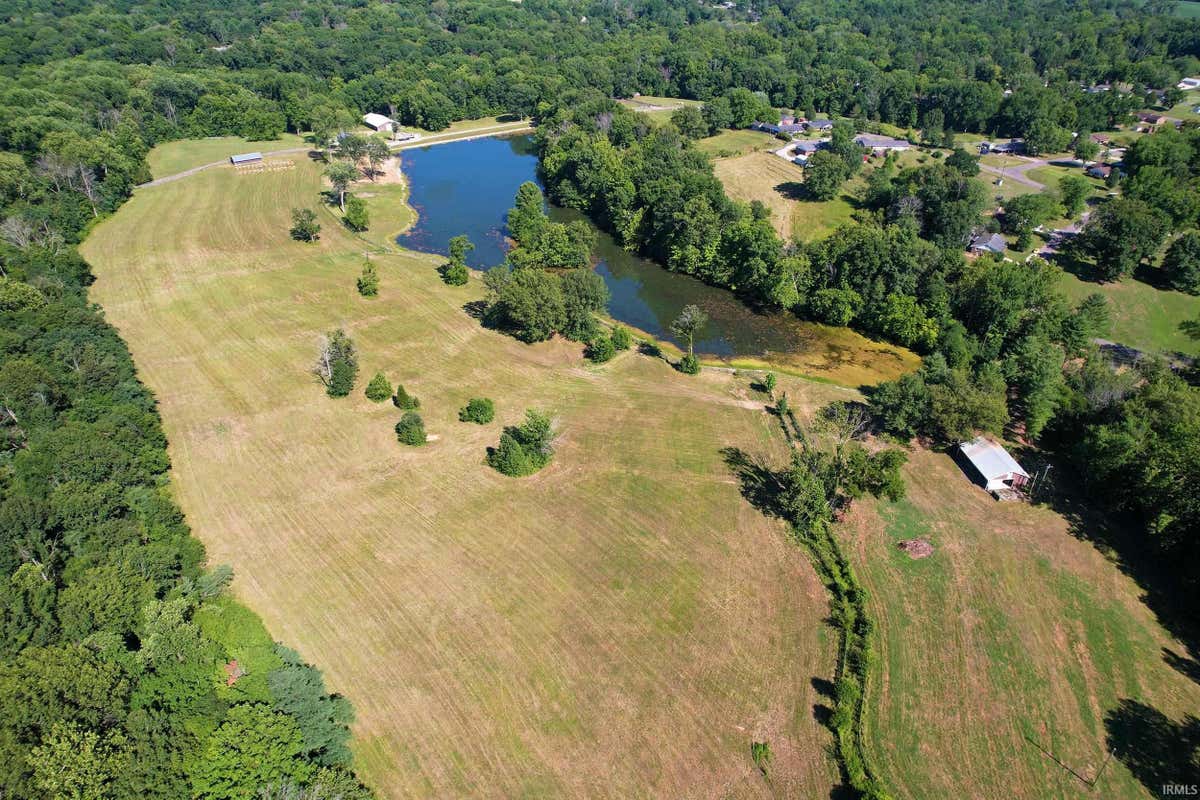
[404,400]
[379,389]
[368,281]
[410,430]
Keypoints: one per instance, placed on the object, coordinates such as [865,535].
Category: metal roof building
[379,122]
[999,470]
[245,158]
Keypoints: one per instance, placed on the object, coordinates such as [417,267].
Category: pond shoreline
[469,190]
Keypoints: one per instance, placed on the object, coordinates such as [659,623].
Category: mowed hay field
[623,624]
[1016,633]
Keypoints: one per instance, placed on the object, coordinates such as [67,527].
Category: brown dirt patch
[916,548]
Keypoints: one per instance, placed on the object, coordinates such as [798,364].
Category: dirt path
[463,136]
[194,170]
[422,141]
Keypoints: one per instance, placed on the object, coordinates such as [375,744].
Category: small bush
[356,218]
[621,339]
[761,753]
[379,389]
[479,410]
[454,274]
[404,400]
[689,365]
[601,349]
[368,282]
[304,225]
[410,430]
[769,383]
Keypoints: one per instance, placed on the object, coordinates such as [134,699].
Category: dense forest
[127,671]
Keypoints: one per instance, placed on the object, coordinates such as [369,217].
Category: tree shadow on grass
[476,309]
[1182,664]
[792,190]
[1124,540]
[1155,748]
[758,482]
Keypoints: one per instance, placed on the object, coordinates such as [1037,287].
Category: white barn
[999,472]
[379,122]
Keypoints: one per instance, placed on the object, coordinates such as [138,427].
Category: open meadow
[1015,641]
[622,624]
[1141,315]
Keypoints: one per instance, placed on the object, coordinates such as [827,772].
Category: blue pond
[467,188]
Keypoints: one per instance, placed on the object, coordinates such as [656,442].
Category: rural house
[985,243]
[1100,170]
[820,125]
[880,144]
[992,467]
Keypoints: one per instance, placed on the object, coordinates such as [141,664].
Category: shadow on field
[1156,749]
[757,481]
[1182,664]
[476,309]
[1125,540]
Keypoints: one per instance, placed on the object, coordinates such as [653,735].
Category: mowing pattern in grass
[621,624]
[1013,635]
[173,157]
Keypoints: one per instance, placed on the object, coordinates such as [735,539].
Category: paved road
[1017,171]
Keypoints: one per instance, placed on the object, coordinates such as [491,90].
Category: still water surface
[468,187]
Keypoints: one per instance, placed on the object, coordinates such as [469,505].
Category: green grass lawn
[735,143]
[1015,634]
[1142,316]
[1187,10]
[173,157]
[1183,109]
[623,619]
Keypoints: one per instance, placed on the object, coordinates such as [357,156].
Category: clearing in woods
[621,624]
[1015,633]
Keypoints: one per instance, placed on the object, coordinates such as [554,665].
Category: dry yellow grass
[622,624]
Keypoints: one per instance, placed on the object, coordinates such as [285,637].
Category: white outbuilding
[379,122]
[998,471]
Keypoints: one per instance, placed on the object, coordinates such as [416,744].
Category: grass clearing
[172,157]
[621,624]
[735,143]
[1142,316]
[1013,628]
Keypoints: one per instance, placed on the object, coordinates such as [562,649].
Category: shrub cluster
[410,430]
[523,449]
[479,410]
[404,400]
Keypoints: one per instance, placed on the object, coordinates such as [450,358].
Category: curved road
[1017,171]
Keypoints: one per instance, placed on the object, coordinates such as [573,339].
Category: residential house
[988,243]
[880,144]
